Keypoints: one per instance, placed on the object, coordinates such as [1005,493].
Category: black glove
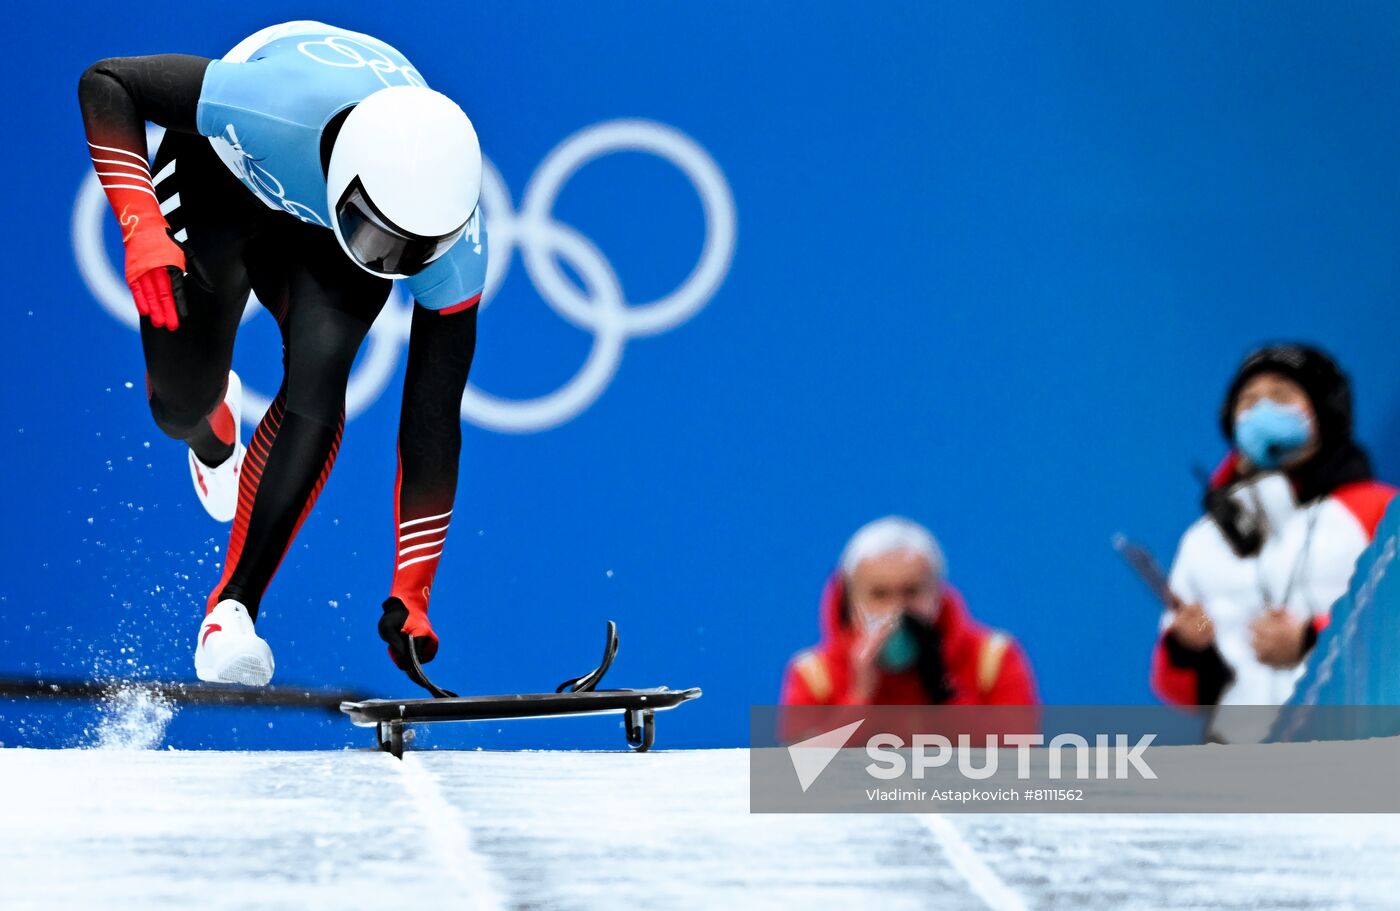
[411,641]
[932,672]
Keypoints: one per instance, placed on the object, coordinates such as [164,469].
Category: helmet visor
[378,244]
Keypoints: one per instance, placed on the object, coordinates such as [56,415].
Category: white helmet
[403,180]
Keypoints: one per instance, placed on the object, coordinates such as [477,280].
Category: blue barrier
[1356,661]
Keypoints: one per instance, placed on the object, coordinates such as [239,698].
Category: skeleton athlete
[313,166]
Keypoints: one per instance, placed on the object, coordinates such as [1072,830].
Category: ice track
[348,830]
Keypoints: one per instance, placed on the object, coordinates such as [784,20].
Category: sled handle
[420,678]
[589,681]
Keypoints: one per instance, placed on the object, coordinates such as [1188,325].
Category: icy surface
[346,830]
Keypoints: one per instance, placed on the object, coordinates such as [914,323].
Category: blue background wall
[994,266]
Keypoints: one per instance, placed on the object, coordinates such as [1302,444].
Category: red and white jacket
[1305,564]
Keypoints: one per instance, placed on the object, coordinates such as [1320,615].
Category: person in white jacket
[1285,517]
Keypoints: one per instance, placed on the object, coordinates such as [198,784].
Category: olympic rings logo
[347,53]
[601,309]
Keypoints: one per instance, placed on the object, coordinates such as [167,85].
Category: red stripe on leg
[316,490]
[248,480]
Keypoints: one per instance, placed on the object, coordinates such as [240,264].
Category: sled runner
[575,696]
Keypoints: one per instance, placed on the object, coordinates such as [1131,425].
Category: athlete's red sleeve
[118,96]
[440,349]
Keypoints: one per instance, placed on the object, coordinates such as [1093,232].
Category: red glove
[160,294]
[155,267]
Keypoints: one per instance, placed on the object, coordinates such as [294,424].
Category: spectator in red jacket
[894,632]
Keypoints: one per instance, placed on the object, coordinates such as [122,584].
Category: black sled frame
[575,696]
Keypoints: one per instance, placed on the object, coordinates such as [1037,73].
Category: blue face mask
[1268,433]
[900,650]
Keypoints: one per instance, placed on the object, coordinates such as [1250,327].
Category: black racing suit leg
[324,306]
[211,216]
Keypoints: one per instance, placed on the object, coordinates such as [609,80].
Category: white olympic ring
[601,309]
